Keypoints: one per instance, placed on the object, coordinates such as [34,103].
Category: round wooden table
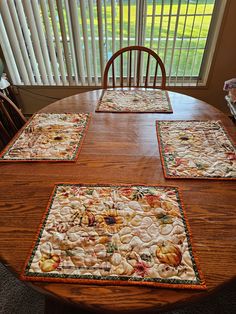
[122,148]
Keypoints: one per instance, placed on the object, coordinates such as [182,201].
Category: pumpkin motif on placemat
[168,253]
[49,263]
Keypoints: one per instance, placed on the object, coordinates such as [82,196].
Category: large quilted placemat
[134,101]
[48,137]
[196,150]
[115,235]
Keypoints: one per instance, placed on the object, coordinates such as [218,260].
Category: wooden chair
[11,120]
[134,59]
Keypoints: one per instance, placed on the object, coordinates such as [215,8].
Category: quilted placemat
[109,234]
[196,150]
[48,137]
[134,101]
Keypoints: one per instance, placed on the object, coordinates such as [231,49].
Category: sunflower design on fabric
[111,221]
[185,137]
[58,137]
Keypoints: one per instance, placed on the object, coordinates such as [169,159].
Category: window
[68,42]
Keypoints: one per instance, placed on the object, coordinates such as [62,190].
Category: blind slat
[35,40]
[72,46]
[143,37]
[100,35]
[197,45]
[28,41]
[168,30]
[137,15]
[93,41]
[86,45]
[189,45]
[57,42]
[174,42]
[77,39]
[160,28]
[121,40]
[8,55]
[13,41]
[105,27]
[121,23]
[113,19]
[182,41]
[43,44]
[128,43]
[60,9]
[21,40]
[50,42]
[151,40]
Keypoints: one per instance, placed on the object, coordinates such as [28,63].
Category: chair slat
[5,137]
[155,76]
[7,120]
[130,67]
[121,70]
[113,75]
[11,119]
[138,67]
[147,71]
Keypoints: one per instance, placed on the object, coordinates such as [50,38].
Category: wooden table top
[122,148]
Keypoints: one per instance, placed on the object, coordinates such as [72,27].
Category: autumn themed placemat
[134,101]
[48,137]
[114,234]
[196,150]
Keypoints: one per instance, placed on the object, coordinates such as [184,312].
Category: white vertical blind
[8,54]
[60,9]
[38,23]
[182,40]
[86,45]
[21,40]
[35,40]
[49,38]
[195,56]
[174,41]
[71,41]
[68,42]
[57,41]
[101,37]
[92,31]
[121,22]
[28,42]
[77,39]
[13,40]
[190,41]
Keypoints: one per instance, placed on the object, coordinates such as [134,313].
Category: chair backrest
[11,120]
[131,68]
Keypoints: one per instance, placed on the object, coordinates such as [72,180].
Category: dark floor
[18,298]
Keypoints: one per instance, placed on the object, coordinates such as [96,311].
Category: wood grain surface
[122,148]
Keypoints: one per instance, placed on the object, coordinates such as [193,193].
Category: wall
[223,68]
